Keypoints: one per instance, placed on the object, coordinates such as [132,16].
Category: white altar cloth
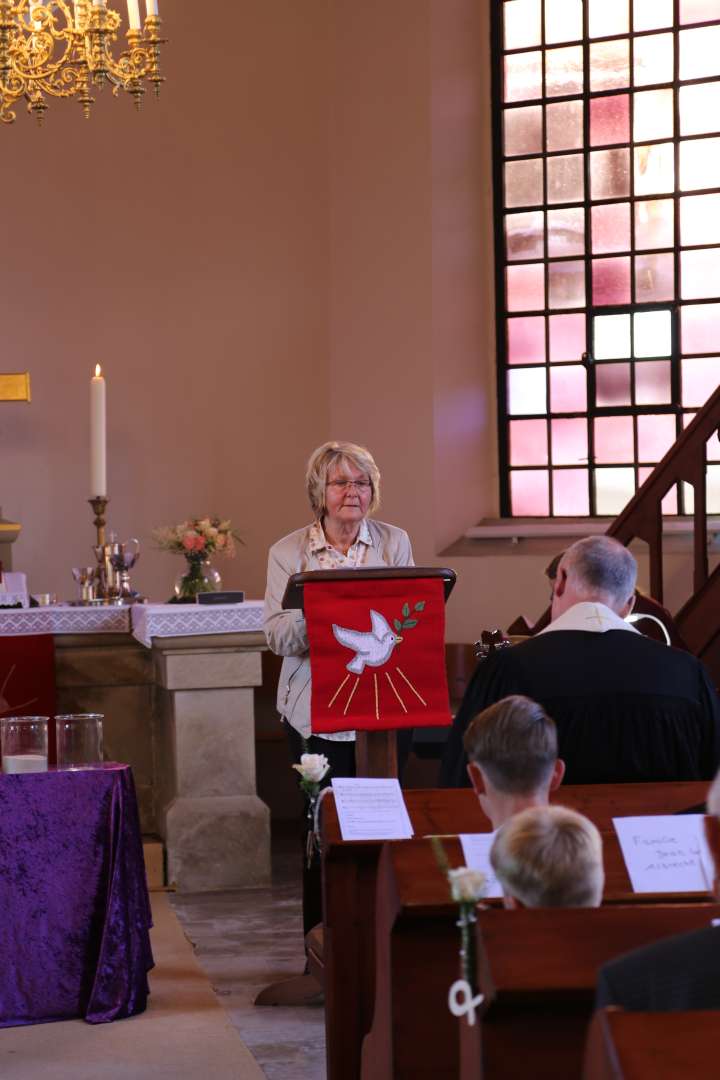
[145,621]
[64,619]
[185,620]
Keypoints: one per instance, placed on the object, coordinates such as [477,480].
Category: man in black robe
[626,708]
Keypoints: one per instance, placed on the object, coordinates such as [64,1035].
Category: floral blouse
[330,558]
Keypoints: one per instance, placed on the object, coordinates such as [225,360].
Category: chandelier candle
[134,14]
[98,434]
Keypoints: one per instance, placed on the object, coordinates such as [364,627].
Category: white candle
[98,3]
[151,7]
[24,763]
[98,435]
[134,14]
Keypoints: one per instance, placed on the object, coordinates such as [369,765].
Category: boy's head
[512,756]
[549,856]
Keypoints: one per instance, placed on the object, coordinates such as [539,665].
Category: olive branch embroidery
[407,622]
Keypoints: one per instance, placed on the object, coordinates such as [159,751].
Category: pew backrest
[661,1046]
[553,950]
[537,971]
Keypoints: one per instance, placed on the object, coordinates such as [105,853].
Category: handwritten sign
[665,854]
[476,850]
[371,809]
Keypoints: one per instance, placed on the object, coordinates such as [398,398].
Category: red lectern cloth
[377,654]
[27,679]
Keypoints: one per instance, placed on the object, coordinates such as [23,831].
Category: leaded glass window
[608,245]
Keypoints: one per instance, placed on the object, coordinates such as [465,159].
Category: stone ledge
[128,664]
[246,641]
[207,669]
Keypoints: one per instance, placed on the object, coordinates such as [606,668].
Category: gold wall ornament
[15,386]
[64,49]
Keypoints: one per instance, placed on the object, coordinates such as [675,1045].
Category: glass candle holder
[24,741]
[86,581]
[79,740]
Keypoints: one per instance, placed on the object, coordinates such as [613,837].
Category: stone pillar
[216,829]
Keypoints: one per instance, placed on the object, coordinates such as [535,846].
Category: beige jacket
[286,632]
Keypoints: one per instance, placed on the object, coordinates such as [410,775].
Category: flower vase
[199,576]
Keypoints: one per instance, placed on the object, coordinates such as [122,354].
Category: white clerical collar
[595,618]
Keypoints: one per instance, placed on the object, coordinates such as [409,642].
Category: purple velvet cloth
[74,907]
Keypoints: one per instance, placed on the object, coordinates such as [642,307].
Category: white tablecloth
[184,620]
[146,621]
[64,619]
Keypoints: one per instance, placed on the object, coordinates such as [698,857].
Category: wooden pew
[538,969]
[413,1034]
[349,884]
[349,873]
[657,1046]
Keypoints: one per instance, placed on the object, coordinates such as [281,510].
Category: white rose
[466,885]
[312,767]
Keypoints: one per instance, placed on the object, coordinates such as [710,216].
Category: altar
[176,686]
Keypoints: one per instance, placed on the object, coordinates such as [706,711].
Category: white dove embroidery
[373,648]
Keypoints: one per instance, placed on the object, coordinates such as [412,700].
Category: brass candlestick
[99,504]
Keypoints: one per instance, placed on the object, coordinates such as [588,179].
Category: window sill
[500,535]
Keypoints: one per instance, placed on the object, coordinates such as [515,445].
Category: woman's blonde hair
[340,454]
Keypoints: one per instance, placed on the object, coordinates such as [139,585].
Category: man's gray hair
[601,569]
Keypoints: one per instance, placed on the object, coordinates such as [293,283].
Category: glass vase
[24,744]
[199,576]
[79,740]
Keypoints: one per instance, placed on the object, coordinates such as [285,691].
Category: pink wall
[381,374]
[411,256]
[184,248]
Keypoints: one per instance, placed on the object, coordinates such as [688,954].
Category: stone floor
[244,941]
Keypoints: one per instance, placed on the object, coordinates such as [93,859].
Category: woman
[343,485]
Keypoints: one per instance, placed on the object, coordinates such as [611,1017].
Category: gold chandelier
[64,49]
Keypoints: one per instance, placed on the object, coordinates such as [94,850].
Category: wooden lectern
[375,751]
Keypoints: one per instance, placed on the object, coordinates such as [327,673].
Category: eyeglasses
[344,485]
